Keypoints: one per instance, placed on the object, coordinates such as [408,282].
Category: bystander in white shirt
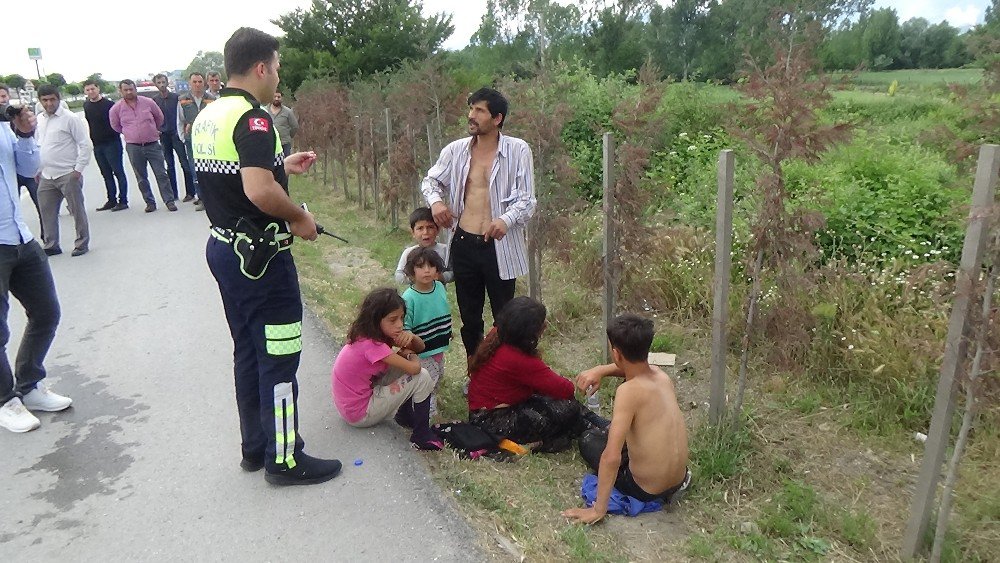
[65,144]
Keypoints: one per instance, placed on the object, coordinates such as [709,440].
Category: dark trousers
[592,445]
[32,186]
[149,154]
[192,186]
[474,261]
[286,149]
[171,146]
[553,422]
[109,160]
[265,320]
[25,274]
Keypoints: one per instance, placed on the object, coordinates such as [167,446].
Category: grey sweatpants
[389,394]
[51,193]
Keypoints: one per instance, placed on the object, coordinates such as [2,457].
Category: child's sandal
[428,446]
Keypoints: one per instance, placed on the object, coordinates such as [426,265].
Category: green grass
[918,78]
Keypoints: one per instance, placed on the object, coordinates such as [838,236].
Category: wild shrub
[883,201]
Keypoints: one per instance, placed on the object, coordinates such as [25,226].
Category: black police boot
[308,470]
[252,461]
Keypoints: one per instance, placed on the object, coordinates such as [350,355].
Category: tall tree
[207,61]
[881,39]
[363,37]
[676,35]
[912,37]
[55,79]
[14,81]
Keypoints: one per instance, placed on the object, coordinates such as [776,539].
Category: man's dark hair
[421,256]
[631,335]
[495,101]
[126,82]
[90,81]
[48,90]
[4,87]
[278,91]
[193,74]
[247,47]
[420,214]
[212,73]
[160,75]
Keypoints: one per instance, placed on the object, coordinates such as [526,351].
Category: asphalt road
[144,465]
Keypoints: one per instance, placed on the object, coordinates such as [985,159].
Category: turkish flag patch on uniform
[259,124]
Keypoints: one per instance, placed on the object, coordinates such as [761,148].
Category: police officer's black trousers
[265,319]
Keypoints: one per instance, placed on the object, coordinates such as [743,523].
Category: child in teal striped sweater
[428,314]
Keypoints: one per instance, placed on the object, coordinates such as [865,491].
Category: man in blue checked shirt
[25,274]
[488,180]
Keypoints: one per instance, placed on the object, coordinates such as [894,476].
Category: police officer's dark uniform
[249,253]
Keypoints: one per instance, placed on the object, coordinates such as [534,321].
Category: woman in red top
[514,394]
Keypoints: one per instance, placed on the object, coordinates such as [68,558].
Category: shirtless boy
[644,453]
[488,182]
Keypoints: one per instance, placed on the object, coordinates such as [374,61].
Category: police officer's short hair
[247,47]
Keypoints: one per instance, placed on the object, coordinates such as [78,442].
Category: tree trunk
[752,299]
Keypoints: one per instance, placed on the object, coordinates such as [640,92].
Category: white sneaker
[41,399]
[16,418]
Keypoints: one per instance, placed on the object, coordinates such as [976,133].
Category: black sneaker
[107,205]
[171,206]
[308,470]
[150,207]
[55,250]
[120,207]
[188,198]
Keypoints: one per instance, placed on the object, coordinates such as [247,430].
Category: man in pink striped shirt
[139,118]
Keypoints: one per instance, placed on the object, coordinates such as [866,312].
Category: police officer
[243,183]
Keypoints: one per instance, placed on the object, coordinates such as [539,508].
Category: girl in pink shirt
[372,382]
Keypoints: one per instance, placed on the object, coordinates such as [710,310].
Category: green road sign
[34,53]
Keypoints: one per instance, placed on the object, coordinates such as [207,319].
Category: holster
[255,247]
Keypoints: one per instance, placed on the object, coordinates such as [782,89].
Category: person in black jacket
[107,146]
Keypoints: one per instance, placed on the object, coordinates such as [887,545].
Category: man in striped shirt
[488,180]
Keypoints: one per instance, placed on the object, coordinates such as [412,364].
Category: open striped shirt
[512,195]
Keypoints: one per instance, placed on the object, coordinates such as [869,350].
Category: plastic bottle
[594,402]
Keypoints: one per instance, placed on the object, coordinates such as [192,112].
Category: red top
[511,376]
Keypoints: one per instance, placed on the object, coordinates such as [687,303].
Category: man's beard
[276,103]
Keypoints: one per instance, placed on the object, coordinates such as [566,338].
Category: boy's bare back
[657,438]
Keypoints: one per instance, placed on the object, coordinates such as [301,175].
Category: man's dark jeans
[474,261]
[25,274]
[171,146]
[109,160]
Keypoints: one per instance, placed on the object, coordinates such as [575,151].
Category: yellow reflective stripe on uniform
[283,340]
[212,135]
[282,332]
[284,418]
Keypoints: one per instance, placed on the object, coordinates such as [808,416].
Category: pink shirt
[356,366]
[140,124]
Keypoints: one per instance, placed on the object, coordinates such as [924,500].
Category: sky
[140,42]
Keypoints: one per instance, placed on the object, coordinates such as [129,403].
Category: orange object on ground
[512,447]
